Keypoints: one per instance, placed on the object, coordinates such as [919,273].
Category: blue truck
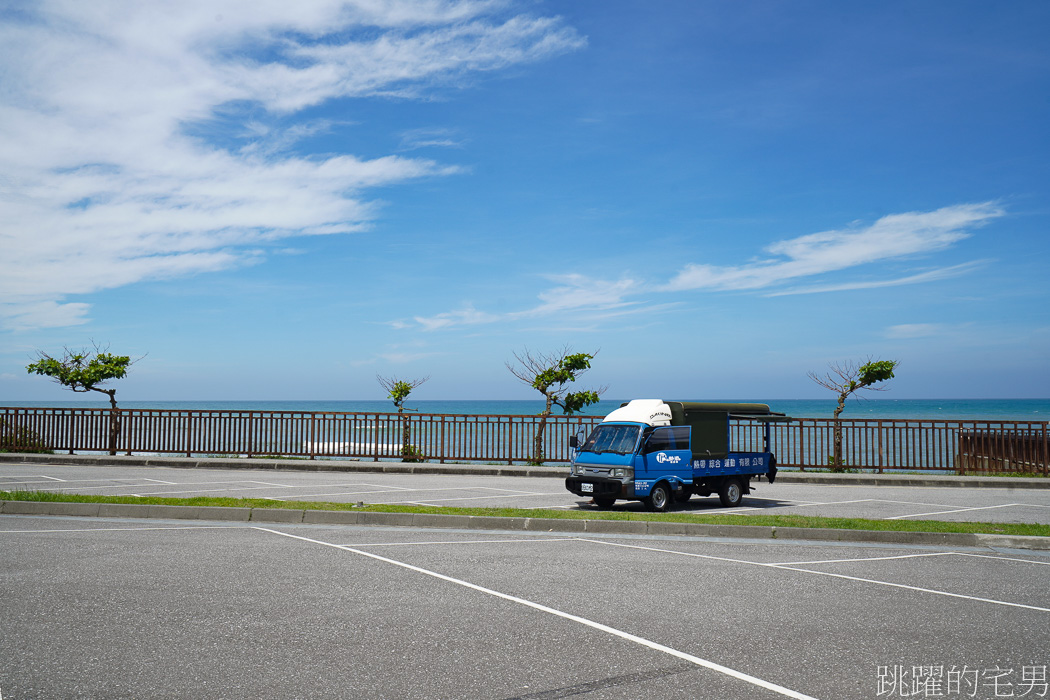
[660,452]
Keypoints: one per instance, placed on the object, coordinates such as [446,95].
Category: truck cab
[658,452]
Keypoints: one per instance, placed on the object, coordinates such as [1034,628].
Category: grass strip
[804,521]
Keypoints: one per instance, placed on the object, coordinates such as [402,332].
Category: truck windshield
[620,439]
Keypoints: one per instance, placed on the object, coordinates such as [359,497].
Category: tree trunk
[406,435]
[114,420]
[836,463]
[537,440]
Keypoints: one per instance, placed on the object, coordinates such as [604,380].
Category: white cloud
[42,314]
[433,137]
[581,292]
[920,277]
[894,236]
[106,177]
[891,237]
[577,293]
[467,316]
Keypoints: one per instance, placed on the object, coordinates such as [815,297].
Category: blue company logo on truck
[659,452]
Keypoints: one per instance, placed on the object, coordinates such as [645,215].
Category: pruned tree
[398,391]
[845,379]
[550,373]
[87,370]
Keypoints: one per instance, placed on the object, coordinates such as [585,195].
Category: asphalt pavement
[144,601]
[129,608]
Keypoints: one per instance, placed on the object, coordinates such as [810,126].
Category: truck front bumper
[597,486]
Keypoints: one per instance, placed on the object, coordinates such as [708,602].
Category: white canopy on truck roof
[648,411]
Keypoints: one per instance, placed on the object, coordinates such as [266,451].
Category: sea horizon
[884,408]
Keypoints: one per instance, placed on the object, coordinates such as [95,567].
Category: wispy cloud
[466,316]
[431,137]
[110,164]
[918,278]
[575,293]
[891,237]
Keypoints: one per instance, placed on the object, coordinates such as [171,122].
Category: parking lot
[875,502]
[106,608]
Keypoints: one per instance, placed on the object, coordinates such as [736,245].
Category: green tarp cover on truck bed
[710,423]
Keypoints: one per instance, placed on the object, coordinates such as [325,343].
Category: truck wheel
[659,498]
[604,501]
[731,493]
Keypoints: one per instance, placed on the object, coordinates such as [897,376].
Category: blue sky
[283,200]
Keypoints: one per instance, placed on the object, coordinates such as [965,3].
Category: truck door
[666,452]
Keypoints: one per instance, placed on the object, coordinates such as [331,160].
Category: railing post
[72,419]
[882,458]
[313,434]
[444,447]
[250,443]
[1046,452]
[801,446]
[122,430]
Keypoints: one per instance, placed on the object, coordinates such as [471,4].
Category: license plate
[587,488]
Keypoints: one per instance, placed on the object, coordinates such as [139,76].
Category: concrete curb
[474,522]
[347,465]
[318,465]
[927,480]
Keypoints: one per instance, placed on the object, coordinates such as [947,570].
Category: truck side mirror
[574,442]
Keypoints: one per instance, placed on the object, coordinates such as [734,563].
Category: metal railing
[962,446]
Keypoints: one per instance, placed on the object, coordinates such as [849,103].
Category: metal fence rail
[963,446]
[916,445]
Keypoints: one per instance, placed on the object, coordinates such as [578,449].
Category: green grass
[1030,529]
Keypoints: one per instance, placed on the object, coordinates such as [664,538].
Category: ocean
[965,409]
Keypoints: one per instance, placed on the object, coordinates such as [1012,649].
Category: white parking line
[847,561]
[30,476]
[992,556]
[783,567]
[564,615]
[435,501]
[954,510]
[798,504]
[115,484]
[257,488]
[399,490]
[124,529]
[920,590]
[413,544]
